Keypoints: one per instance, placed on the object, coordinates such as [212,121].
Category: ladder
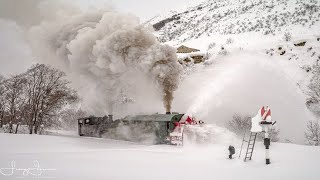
[251,143]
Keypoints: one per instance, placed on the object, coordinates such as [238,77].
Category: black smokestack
[110,117]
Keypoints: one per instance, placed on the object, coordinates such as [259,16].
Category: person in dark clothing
[231,151]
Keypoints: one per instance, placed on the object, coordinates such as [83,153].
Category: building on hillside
[185,49]
[190,55]
[301,42]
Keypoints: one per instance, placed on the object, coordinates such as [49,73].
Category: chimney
[110,117]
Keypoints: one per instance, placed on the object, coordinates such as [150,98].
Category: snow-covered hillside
[213,17]
[89,158]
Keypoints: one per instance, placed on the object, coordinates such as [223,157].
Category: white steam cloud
[103,51]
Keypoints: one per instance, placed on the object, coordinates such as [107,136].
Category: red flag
[189,120]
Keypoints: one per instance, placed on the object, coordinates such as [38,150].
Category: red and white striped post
[266,122]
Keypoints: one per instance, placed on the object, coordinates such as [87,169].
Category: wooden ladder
[250,148]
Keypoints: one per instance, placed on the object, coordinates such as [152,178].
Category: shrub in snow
[273,134]
[312,133]
[223,51]
[314,85]
[313,102]
[6,128]
[287,36]
[2,100]
[239,124]
[68,119]
[306,68]
[266,32]
[211,45]
[287,141]
[229,41]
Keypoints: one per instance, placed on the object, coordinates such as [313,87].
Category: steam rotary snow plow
[157,128]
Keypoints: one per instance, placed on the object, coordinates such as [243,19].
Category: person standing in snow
[231,151]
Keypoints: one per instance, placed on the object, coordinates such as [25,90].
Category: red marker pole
[267,144]
[266,141]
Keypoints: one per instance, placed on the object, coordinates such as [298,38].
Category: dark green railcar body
[154,128]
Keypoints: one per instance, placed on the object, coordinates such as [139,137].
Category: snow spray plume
[102,48]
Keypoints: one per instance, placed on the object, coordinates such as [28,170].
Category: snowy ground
[90,158]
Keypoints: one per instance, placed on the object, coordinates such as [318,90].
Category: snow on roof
[192,54]
[299,41]
[154,117]
[185,49]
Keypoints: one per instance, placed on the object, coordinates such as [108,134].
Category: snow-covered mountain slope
[89,158]
[213,17]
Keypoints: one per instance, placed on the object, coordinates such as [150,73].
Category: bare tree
[14,100]
[287,36]
[229,41]
[313,102]
[34,97]
[47,92]
[312,133]
[239,124]
[273,134]
[314,85]
[2,101]
[69,117]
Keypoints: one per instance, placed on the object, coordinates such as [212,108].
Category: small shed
[185,49]
[194,57]
[301,42]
